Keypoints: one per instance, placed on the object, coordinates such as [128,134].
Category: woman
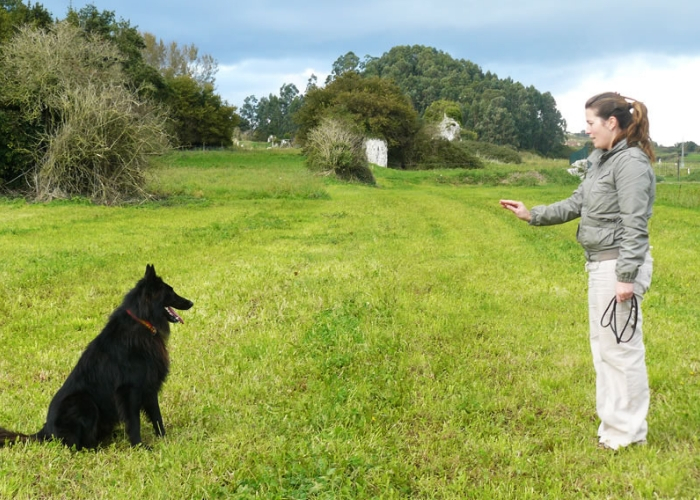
[614,202]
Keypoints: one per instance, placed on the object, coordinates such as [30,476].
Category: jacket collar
[620,146]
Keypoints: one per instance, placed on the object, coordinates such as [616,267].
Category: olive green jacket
[614,202]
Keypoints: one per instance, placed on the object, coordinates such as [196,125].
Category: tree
[311,83]
[375,105]
[14,13]
[687,147]
[437,111]
[348,62]
[15,130]
[173,60]
[496,124]
[141,76]
[272,115]
[249,113]
[199,115]
[425,74]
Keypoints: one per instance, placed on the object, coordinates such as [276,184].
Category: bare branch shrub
[101,148]
[334,148]
[97,134]
[40,66]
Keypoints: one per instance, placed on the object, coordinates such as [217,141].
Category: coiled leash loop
[612,319]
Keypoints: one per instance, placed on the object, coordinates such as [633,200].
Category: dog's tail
[9,437]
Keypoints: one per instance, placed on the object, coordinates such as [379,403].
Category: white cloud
[667,85]
[261,78]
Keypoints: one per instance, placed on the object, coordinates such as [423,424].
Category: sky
[644,49]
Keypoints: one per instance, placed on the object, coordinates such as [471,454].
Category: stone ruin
[578,168]
[274,142]
[377,152]
[449,128]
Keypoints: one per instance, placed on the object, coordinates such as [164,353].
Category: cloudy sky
[645,49]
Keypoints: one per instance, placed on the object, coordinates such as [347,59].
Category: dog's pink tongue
[175,315]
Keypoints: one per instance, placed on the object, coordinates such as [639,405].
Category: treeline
[84,101]
[489,109]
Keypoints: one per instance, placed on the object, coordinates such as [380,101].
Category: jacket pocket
[596,238]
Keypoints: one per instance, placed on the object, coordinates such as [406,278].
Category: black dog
[119,374]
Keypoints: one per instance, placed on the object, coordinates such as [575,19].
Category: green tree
[272,115]
[141,76]
[249,114]
[199,115]
[425,74]
[14,13]
[16,130]
[348,62]
[496,124]
[375,105]
[16,145]
[437,111]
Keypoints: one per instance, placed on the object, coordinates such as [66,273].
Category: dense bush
[16,147]
[333,147]
[427,152]
[561,151]
[693,176]
[503,154]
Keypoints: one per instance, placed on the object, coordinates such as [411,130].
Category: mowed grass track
[411,340]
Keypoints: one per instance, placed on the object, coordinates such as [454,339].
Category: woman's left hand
[624,291]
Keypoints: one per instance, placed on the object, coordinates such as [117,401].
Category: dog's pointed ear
[150,271]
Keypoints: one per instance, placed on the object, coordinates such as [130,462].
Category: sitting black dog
[119,374]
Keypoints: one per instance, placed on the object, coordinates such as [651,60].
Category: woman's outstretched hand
[518,208]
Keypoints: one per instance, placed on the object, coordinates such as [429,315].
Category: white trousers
[622,386]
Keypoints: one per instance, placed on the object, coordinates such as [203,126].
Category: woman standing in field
[614,202]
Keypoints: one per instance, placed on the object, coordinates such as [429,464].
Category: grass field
[410,340]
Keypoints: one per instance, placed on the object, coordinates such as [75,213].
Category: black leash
[612,319]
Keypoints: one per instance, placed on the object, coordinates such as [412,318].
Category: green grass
[410,340]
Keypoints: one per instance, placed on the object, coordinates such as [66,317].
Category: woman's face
[602,132]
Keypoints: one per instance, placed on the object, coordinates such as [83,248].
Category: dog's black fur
[119,374]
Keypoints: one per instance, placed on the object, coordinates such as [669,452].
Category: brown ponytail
[631,116]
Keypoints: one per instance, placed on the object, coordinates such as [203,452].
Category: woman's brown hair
[631,115]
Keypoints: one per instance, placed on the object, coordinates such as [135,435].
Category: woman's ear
[612,123]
